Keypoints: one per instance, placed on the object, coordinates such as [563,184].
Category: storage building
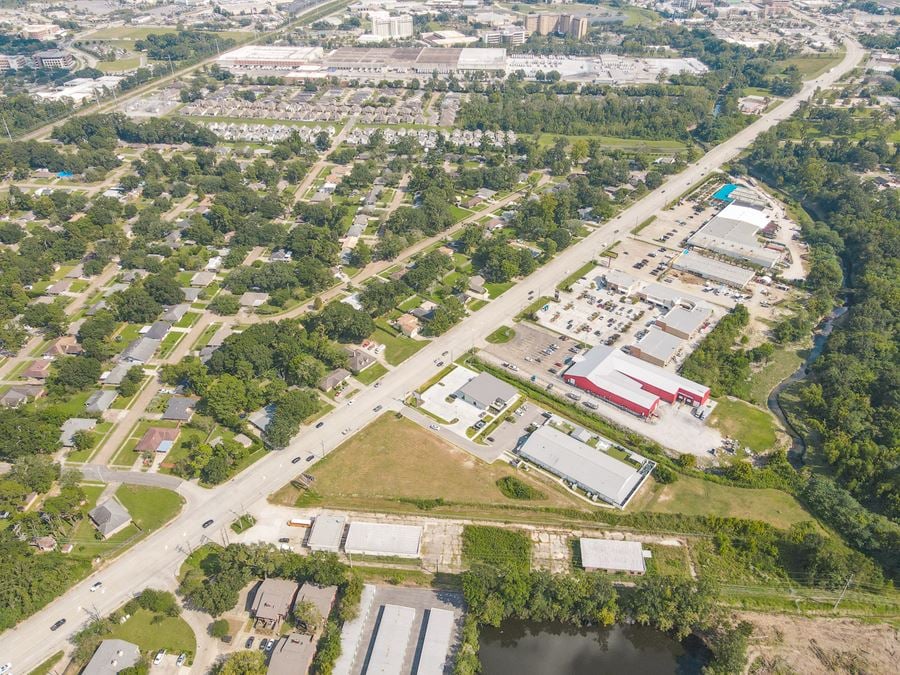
[609,555]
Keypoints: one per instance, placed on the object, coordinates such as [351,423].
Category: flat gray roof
[326,533]
[436,644]
[111,657]
[659,344]
[383,539]
[610,554]
[716,270]
[486,389]
[597,472]
[685,320]
[389,650]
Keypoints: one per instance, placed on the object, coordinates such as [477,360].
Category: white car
[433,427]
[96,586]
[5,668]
[159,657]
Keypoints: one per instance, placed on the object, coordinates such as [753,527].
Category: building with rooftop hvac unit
[484,391]
[612,556]
[733,233]
[684,323]
[591,469]
[656,347]
[111,657]
[272,602]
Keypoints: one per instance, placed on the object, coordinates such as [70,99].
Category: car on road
[378,384]
[319,425]
[96,585]
[207,523]
[59,624]
[310,458]
[345,432]
[295,460]
[433,427]
[159,657]
[376,408]
[249,643]
[439,364]
[284,540]
[349,401]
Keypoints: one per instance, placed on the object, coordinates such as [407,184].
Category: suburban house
[20,394]
[109,517]
[44,544]
[202,279]
[111,657]
[180,409]
[476,285]
[408,325]
[157,330]
[294,652]
[38,370]
[66,345]
[251,299]
[157,439]
[262,418]
[140,350]
[71,427]
[358,360]
[100,401]
[484,391]
[272,602]
[333,379]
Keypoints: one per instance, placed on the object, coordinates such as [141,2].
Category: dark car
[249,642]
[320,425]
[284,540]
[207,523]
[295,460]
[263,644]
[310,458]
[59,624]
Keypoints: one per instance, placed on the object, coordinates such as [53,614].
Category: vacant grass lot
[698,497]
[372,373]
[150,507]
[395,459]
[152,632]
[397,348]
[752,426]
[813,65]
[781,365]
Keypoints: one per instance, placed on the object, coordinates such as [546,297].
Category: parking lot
[457,415]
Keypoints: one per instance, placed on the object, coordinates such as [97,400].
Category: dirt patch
[788,644]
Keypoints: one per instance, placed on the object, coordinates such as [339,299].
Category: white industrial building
[385,539]
[326,533]
[733,232]
[610,555]
[715,270]
[591,469]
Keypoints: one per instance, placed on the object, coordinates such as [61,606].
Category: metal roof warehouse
[591,469]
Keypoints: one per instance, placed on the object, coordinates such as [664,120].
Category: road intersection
[155,561]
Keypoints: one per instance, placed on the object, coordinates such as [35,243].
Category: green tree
[244,663]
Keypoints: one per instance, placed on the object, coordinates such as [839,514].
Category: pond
[527,648]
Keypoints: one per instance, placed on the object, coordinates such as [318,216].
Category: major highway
[154,562]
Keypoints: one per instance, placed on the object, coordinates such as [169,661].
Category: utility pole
[843,591]
[6,127]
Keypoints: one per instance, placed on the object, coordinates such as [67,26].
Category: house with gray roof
[158,330]
[358,360]
[485,391]
[180,409]
[99,401]
[175,314]
[117,373]
[140,350]
[111,657]
[333,379]
[109,517]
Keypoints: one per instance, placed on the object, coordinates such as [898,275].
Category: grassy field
[372,373]
[395,459]
[698,497]
[150,507]
[119,65]
[141,32]
[398,348]
[47,666]
[781,365]
[813,65]
[152,632]
[501,335]
[753,427]
[637,16]
[615,143]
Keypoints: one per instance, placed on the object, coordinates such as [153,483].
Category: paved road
[154,562]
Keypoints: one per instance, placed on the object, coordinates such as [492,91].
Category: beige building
[563,24]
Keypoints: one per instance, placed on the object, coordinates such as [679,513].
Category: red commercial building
[630,383]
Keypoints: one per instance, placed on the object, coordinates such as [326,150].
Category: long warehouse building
[630,383]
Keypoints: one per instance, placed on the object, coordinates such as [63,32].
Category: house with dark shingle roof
[109,517]
[180,409]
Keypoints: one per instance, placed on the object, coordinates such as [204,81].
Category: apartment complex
[561,24]
[386,26]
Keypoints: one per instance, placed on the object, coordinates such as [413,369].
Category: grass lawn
[781,365]
[168,344]
[47,665]
[459,213]
[502,335]
[372,373]
[698,497]
[616,143]
[637,16]
[150,507]
[98,434]
[152,632]
[397,348]
[495,290]
[188,320]
[128,332]
[813,65]
[752,426]
[119,65]
[396,459]
[582,271]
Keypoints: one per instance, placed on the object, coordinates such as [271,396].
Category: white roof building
[612,555]
[389,650]
[385,539]
[326,533]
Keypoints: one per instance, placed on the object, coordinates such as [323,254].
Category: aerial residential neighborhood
[448,337]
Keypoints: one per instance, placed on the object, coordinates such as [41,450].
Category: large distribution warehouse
[630,383]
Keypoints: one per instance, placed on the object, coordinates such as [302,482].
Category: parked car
[263,644]
[376,408]
[284,540]
[159,657]
[59,624]
[96,585]
[181,659]
[249,643]
[208,523]
[5,668]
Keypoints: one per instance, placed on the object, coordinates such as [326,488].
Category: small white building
[609,555]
